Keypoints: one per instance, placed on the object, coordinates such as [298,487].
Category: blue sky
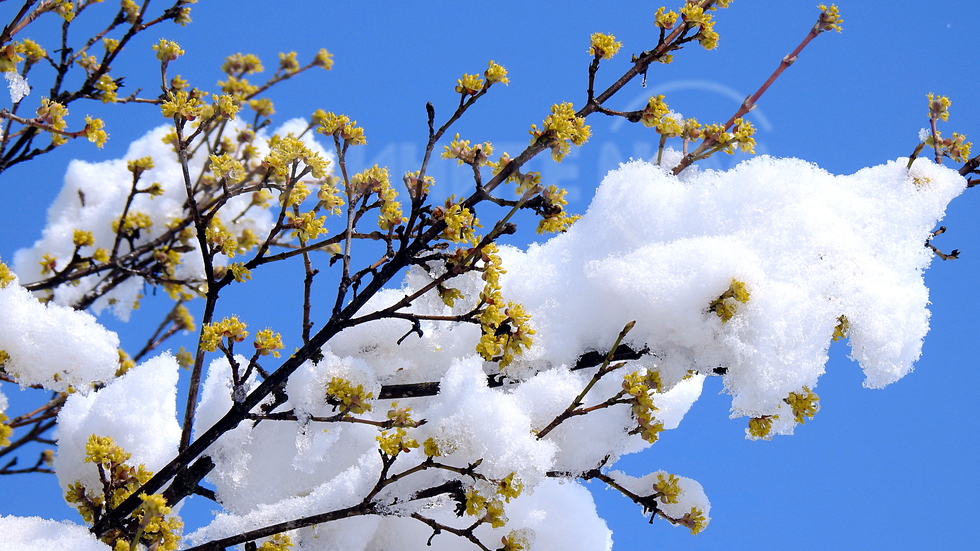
[876,469]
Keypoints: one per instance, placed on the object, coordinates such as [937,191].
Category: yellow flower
[108,87]
[237,64]
[761,427]
[938,107]
[240,273]
[278,542]
[830,18]
[167,50]
[603,45]
[805,404]
[227,167]
[181,105]
[83,238]
[496,73]
[6,278]
[469,84]
[267,342]
[668,488]
[110,44]
[350,398]
[33,50]
[665,20]
[131,10]
[288,63]
[562,128]
[229,328]
[323,59]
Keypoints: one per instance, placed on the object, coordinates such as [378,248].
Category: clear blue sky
[883,469]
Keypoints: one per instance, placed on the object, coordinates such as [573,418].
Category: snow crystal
[19,89]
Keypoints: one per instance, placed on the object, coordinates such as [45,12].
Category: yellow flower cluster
[263,107]
[32,50]
[95,131]
[603,46]
[237,87]
[64,8]
[726,305]
[339,126]
[181,106]
[665,20]
[506,332]
[842,329]
[183,319]
[133,222]
[119,481]
[460,222]
[641,387]
[400,417]
[463,152]
[239,64]
[278,542]
[228,328]
[307,226]
[510,487]
[167,50]
[761,427]
[805,404]
[110,44]
[323,59]
[554,218]
[220,239]
[53,114]
[695,16]
[469,84]
[562,128]
[394,443]
[239,272]
[350,398]
[226,106]
[496,73]
[268,342]
[329,196]
[288,63]
[139,166]
[6,276]
[295,196]
[82,238]
[5,431]
[415,187]
[830,18]
[516,540]
[490,510]
[286,152]
[131,10]
[449,295]
[694,520]
[226,167]
[667,488]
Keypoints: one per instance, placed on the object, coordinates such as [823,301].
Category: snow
[17,84]
[38,534]
[94,195]
[810,247]
[138,411]
[52,345]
